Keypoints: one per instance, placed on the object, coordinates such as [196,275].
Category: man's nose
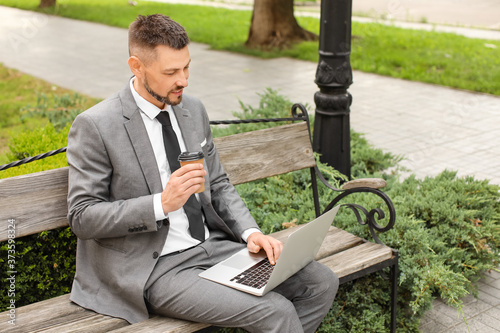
[183,79]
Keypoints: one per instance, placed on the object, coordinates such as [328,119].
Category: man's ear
[136,65]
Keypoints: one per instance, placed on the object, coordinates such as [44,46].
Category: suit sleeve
[93,212]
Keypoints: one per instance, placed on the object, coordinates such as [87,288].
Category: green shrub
[271,105]
[45,264]
[32,143]
[446,232]
[62,110]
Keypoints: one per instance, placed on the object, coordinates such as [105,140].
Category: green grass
[17,91]
[432,57]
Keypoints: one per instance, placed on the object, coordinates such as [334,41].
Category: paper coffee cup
[192,157]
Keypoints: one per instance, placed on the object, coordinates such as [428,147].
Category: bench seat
[343,252]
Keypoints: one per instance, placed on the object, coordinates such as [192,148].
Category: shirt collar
[147,107]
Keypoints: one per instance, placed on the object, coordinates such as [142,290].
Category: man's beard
[160,98]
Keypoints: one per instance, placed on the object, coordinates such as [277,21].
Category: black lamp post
[334,76]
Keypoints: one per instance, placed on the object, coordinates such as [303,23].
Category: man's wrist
[158,208]
[248,232]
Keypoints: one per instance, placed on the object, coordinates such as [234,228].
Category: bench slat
[45,310]
[36,202]
[357,258]
[46,314]
[265,153]
[90,324]
[336,240]
[162,324]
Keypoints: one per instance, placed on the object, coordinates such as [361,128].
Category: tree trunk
[274,25]
[47,3]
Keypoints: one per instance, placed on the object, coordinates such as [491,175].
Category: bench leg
[394,292]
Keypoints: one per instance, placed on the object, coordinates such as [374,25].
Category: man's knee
[330,281]
[324,278]
[275,314]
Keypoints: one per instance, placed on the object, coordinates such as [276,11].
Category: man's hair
[147,32]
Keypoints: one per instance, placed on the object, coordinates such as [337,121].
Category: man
[139,251]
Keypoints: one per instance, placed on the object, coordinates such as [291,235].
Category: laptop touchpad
[240,261]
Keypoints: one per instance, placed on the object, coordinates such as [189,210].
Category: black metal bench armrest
[371,217]
[366,185]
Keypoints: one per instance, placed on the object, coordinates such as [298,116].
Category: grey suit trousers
[297,305]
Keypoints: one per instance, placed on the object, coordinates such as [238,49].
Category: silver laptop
[252,273]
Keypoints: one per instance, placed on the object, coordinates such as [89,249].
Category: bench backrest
[37,202]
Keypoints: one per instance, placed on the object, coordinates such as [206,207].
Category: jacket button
[155,255]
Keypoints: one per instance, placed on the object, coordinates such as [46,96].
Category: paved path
[473,13]
[433,127]
[464,13]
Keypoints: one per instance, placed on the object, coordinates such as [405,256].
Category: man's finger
[277,248]
[269,251]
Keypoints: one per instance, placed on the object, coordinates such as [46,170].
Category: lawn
[18,93]
[427,56]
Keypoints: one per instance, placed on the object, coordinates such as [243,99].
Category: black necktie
[192,206]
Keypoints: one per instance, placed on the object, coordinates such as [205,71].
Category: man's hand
[272,246]
[184,182]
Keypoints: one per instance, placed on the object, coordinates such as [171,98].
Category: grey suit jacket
[112,178]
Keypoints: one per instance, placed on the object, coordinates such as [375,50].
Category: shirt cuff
[159,214]
[248,232]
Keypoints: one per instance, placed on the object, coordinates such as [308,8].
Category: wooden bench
[246,157]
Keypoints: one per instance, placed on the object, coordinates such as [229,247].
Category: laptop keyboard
[256,276]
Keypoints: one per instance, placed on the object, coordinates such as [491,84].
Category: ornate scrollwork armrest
[364,185]
[371,217]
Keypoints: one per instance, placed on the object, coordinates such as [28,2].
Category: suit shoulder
[102,116]
[189,101]
[112,104]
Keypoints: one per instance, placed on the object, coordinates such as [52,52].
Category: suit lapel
[140,140]
[185,122]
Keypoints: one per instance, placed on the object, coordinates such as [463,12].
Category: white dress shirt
[178,237]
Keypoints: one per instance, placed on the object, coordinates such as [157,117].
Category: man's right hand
[184,182]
